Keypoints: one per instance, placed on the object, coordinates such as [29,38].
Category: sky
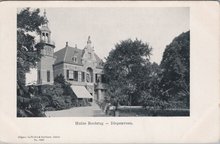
[108,26]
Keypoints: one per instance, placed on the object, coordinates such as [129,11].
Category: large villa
[82,68]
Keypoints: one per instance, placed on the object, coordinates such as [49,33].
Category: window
[96,78]
[103,78]
[46,37]
[83,76]
[71,75]
[89,75]
[74,59]
[67,74]
[75,75]
[92,78]
[48,76]
[89,78]
[38,74]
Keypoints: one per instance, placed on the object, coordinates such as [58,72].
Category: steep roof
[45,28]
[100,63]
[60,55]
[67,54]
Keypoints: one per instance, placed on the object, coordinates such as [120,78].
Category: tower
[45,65]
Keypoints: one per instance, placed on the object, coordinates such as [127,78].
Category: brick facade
[78,66]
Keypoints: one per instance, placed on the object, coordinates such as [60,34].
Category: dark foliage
[59,96]
[65,85]
[175,70]
[133,80]
[28,22]
[53,97]
[127,70]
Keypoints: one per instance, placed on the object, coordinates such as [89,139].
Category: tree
[175,70]
[125,69]
[149,92]
[28,23]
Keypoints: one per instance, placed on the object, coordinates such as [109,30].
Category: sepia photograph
[103,62]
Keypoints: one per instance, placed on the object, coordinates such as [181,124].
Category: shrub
[36,99]
[36,107]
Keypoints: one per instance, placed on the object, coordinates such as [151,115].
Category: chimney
[66,44]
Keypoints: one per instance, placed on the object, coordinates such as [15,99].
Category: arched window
[89,75]
[43,37]
[46,37]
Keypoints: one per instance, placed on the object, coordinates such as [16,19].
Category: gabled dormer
[88,53]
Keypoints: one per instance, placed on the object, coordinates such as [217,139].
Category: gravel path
[88,111]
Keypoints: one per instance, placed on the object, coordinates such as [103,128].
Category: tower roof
[45,16]
[45,27]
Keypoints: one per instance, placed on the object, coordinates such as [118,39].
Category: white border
[201,127]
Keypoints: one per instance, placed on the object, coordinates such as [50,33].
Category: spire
[89,41]
[44,26]
[45,13]
[45,17]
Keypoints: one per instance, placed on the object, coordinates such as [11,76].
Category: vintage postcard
[109,72]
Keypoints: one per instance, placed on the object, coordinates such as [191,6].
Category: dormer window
[74,59]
